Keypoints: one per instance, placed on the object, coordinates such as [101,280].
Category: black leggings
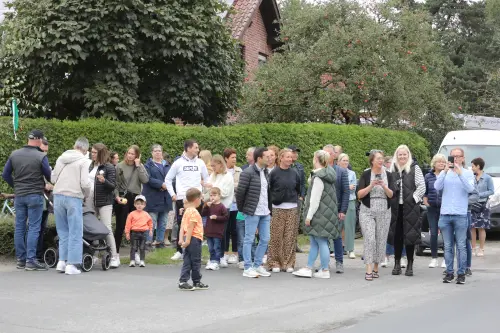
[230,233]
[399,239]
[138,241]
[121,212]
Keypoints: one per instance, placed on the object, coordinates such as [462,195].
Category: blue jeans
[433,214]
[338,249]
[160,227]
[319,244]
[252,223]
[240,231]
[28,207]
[389,250]
[68,212]
[469,239]
[454,230]
[214,247]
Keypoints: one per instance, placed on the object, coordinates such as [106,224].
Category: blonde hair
[436,158]
[220,160]
[206,157]
[341,157]
[323,157]
[282,153]
[400,168]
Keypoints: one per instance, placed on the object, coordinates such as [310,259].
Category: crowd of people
[250,216]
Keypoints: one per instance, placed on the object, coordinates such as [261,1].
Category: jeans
[252,223]
[454,229]
[214,247]
[192,262]
[469,239]
[138,241]
[28,207]
[240,230]
[389,250]
[160,225]
[433,218]
[43,226]
[319,244]
[338,249]
[68,212]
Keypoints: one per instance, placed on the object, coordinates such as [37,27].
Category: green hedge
[356,140]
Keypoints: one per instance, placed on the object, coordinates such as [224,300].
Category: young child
[217,216]
[190,239]
[139,223]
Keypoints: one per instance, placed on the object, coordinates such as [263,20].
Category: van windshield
[490,155]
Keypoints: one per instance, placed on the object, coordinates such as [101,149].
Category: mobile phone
[378,176]
[451,160]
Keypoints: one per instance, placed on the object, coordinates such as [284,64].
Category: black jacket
[104,192]
[364,181]
[248,190]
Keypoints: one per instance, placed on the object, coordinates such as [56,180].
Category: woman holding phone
[375,192]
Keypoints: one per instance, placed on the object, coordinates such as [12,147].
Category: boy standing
[139,225]
[217,215]
[190,239]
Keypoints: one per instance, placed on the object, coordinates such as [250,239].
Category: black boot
[397,267]
[409,268]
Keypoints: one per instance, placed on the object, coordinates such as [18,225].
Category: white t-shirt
[92,174]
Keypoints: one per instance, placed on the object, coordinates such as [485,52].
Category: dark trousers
[192,262]
[230,233]
[138,241]
[178,205]
[399,239]
[121,213]
[43,226]
[433,214]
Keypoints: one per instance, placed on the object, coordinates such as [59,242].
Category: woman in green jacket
[321,220]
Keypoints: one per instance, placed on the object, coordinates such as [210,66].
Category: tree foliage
[123,59]
[343,63]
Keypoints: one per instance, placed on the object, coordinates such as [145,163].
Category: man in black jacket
[253,200]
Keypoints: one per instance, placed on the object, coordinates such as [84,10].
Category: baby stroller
[94,241]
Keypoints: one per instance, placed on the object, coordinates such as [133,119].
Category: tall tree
[124,59]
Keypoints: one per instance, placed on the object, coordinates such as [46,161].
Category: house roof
[243,11]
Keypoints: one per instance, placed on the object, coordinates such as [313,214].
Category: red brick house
[255,24]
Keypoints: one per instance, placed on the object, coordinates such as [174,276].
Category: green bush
[356,140]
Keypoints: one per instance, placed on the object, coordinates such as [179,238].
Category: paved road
[146,300]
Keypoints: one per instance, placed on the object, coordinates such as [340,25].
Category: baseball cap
[36,135]
[140,197]
[294,148]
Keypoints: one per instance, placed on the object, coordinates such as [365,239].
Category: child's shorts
[170,219]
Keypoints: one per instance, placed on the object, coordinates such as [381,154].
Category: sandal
[375,274]
[368,277]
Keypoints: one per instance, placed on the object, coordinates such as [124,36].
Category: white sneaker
[352,255]
[303,272]
[137,257]
[321,274]
[289,270]
[404,262]
[223,263]
[132,263]
[241,265]
[233,259]
[262,271]
[61,266]
[264,259]
[443,264]
[177,256]
[114,263]
[385,263]
[276,270]
[226,257]
[118,258]
[215,266]
[142,264]
[72,270]
[208,266]
[434,263]
[250,273]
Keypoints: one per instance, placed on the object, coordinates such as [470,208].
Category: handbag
[477,207]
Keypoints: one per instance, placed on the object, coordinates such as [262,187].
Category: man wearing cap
[302,175]
[25,171]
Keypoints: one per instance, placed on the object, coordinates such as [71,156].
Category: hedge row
[356,140]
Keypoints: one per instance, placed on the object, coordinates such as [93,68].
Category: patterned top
[377,191]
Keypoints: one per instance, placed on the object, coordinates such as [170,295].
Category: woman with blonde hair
[206,157]
[274,153]
[321,216]
[432,199]
[405,222]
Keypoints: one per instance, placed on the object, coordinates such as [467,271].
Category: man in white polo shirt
[188,172]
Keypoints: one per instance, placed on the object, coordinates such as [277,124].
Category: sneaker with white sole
[118,258]
[250,273]
[223,263]
[114,263]
[276,270]
[443,264]
[232,259]
[352,255]
[177,256]
[72,270]
[241,265]
[262,271]
[208,266]
[385,263]
[433,263]
[215,266]
[322,274]
[61,266]
[226,257]
[289,270]
[404,262]
[137,257]
[303,272]
[132,263]
[142,264]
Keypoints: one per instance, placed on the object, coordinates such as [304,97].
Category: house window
[262,59]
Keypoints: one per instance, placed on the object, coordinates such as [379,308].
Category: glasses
[457,156]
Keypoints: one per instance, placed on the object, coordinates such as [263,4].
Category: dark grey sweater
[284,185]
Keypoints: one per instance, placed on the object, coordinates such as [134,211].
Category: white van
[478,143]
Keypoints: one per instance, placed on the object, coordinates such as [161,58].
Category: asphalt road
[147,300]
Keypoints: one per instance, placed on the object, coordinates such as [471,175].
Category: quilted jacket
[104,192]
[248,191]
[325,222]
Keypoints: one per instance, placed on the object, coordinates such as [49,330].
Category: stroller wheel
[106,261]
[87,262]
[50,257]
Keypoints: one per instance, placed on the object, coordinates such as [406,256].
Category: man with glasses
[26,171]
[456,183]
